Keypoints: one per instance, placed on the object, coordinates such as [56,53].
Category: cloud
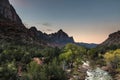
[49,30]
[47,24]
[47,27]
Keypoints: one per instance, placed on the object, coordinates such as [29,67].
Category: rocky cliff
[113,39]
[12,28]
[8,12]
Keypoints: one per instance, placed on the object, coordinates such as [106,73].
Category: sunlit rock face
[7,11]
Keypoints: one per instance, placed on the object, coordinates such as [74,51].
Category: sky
[89,21]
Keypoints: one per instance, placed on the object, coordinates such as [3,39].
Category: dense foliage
[17,61]
[15,57]
[113,57]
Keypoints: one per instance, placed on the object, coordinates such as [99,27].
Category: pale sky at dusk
[88,21]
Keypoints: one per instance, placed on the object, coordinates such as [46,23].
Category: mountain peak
[33,28]
[60,30]
[7,12]
[61,33]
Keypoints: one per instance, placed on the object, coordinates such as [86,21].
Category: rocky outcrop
[59,38]
[11,27]
[113,39]
[38,34]
[18,34]
[8,12]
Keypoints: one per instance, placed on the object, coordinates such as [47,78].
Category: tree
[8,71]
[50,53]
[73,53]
[55,71]
[113,57]
[51,71]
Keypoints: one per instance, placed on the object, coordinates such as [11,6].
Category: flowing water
[98,74]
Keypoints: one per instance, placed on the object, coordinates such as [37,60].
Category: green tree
[51,71]
[8,71]
[113,57]
[50,53]
[73,53]
[55,71]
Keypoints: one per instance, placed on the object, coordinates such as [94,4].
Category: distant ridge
[87,45]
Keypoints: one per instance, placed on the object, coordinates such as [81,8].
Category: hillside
[112,40]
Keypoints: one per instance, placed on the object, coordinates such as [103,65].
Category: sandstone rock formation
[7,11]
